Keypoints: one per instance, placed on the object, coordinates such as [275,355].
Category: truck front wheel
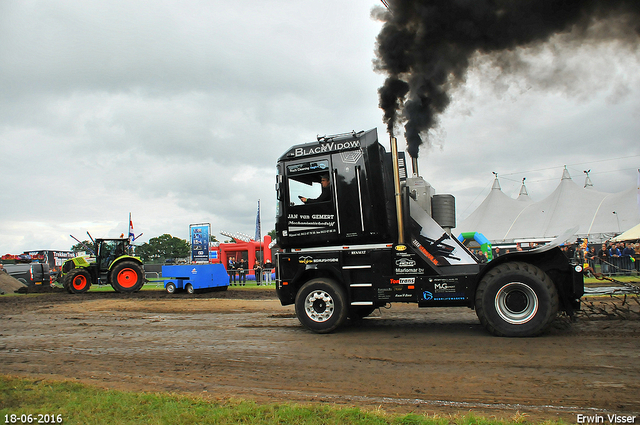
[127,276]
[321,305]
[516,300]
[77,281]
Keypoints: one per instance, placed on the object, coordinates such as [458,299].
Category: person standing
[590,257]
[603,258]
[257,271]
[627,254]
[267,271]
[481,257]
[242,272]
[231,269]
[614,255]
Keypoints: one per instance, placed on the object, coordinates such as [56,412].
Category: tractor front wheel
[77,281]
[127,276]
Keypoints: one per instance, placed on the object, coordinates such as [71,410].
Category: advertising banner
[200,242]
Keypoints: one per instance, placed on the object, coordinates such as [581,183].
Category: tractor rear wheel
[127,276]
[77,281]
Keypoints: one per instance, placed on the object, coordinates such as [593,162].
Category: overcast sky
[177,113]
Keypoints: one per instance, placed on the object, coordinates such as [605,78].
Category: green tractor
[110,265]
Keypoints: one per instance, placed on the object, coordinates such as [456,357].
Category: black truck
[357,233]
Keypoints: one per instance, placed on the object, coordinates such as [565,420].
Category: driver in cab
[326,192]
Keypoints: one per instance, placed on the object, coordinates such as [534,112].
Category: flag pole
[261,247]
[258,235]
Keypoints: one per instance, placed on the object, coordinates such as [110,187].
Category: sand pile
[8,284]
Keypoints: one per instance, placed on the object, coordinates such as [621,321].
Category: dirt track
[244,344]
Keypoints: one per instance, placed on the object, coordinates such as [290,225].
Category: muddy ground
[244,344]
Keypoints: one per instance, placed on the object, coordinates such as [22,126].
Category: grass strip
[76,403]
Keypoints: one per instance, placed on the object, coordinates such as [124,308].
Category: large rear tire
[77,281]
[321,305]
[127,276]
[516,300]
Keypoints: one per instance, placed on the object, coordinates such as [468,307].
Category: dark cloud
[426,46]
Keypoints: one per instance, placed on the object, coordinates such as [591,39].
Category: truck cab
[376,236]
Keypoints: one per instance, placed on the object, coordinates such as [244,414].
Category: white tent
[598,215]
[630,235]
[495,206]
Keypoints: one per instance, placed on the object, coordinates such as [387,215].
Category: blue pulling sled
[192,277]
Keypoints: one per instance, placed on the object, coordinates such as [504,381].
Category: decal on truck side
[403,281]
[309,260]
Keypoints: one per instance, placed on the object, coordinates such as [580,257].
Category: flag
[131,236]
[258,236]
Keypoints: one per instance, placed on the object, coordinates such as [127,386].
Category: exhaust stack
[396,187]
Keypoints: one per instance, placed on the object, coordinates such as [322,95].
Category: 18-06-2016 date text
[39,418]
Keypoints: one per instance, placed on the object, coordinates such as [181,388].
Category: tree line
[158,249]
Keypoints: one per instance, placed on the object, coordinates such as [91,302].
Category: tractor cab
[108,251]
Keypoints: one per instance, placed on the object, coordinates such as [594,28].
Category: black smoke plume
[426,46]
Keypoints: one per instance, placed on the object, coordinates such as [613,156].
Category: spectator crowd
[609,258]
[240,269]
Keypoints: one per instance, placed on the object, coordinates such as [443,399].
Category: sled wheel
[516,300]
[171,288]
[127,276]
[189,288]
[357,313]
[321,305]
[78,281]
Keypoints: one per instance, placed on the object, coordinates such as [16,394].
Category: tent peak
[587,180]
[496,183]
[565,174]
[523,189]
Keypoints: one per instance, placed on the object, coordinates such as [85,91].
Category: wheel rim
[79,282]
[127,278]
[171,288]
[319,306]
[516,303]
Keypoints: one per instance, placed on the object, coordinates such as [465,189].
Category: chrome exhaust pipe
[396,187]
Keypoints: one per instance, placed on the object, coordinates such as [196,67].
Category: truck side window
[299,190]
[309,183]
